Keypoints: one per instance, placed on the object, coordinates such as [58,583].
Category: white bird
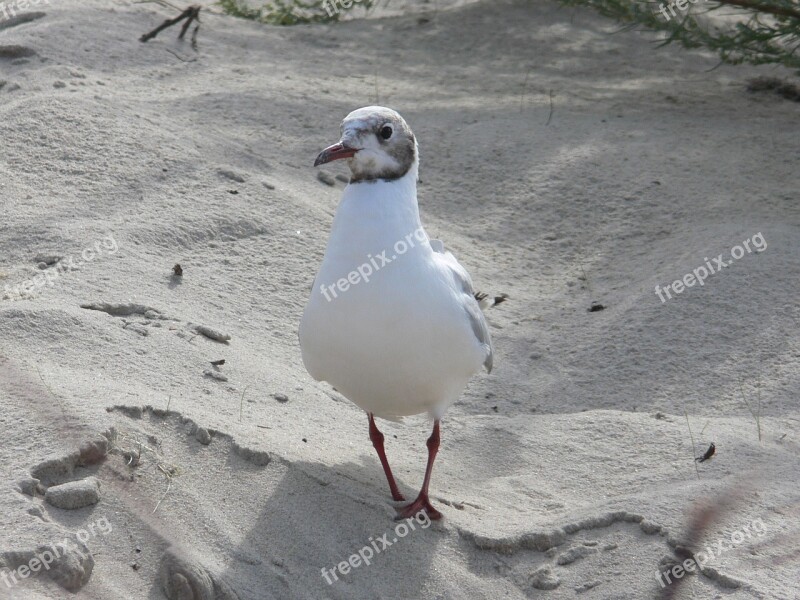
[393,322]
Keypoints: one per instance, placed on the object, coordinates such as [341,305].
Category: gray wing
[469,302]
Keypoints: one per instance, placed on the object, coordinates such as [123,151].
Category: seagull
[393,322]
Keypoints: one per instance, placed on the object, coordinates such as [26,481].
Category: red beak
[335,152]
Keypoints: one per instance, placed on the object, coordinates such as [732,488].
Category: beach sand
[563,162]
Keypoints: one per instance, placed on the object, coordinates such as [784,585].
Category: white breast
[400,343]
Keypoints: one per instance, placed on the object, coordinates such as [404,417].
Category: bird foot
[421,504]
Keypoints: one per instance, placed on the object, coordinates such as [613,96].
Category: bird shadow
[320,527]
[174,281]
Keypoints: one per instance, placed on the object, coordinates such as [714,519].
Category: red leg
[423,503]
[377,440]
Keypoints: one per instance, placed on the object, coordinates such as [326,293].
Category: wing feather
[473,311]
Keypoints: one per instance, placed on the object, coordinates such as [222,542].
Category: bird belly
[395,346]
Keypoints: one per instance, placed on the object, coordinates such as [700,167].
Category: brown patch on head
[388,146]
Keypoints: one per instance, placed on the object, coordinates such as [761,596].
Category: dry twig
[190,14]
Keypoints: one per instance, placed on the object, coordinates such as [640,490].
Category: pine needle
[694,449]
[241,404]
[756,416]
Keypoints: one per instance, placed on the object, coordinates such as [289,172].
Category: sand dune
[563,165]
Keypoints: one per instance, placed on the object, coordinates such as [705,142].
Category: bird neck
[373,215]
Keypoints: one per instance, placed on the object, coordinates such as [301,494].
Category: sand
[563,163]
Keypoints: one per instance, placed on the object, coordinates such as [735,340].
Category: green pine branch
[767,31]
[292,12]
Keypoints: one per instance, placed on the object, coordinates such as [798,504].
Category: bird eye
[386,132]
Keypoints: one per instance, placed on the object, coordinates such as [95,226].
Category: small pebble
[75,494]
[587,586]
[282,398]
[212,334]
[543,578]
[232,175]
[93,452]
[48,259]
[215,375]
[28,486]
[203,436]
[649,527]
[573,554]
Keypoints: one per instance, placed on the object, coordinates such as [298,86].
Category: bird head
[377,144]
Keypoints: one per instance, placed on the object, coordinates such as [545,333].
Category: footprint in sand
[546,560]
[183,578]
[69,561]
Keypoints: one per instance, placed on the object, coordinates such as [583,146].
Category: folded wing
[472,309]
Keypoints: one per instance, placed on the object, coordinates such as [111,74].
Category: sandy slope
[569,467]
